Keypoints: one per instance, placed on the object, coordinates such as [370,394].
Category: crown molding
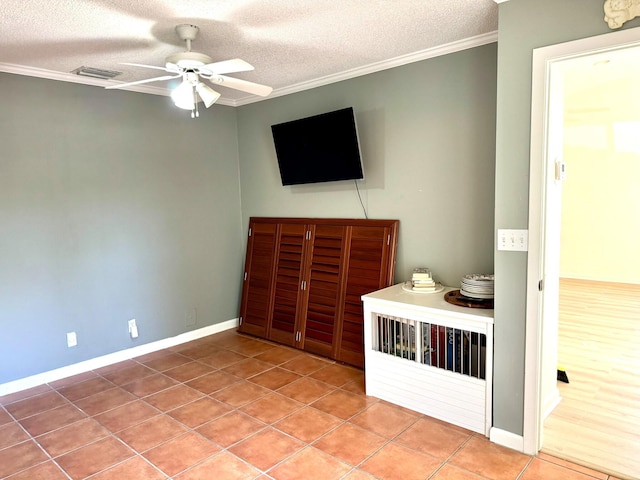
[446,49]
[500,1]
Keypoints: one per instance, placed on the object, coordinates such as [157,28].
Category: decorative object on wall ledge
[192,66]
[617,12]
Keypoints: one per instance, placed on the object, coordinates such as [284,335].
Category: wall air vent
[96,73]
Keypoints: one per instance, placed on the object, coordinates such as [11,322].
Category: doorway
[551,65]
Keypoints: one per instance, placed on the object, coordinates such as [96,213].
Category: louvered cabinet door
[324,285]
[370,259]
[255,308]
[287,287]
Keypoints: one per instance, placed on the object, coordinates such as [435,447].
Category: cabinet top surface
[397,296]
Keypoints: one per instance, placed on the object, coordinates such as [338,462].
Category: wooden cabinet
[304,279]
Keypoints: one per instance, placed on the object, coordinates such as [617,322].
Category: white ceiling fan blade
[245,86]
[156,79]
[226,66]
[143,66]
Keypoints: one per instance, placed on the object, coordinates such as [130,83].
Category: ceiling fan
[194,66]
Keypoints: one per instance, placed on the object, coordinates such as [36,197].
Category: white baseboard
[111,358]
[507,439]
[550,403]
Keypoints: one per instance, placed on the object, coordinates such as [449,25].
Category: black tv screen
[321,148]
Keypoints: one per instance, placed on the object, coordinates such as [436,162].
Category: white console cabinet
[428,355]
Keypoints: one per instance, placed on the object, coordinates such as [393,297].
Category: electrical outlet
[72,339]
[133,328]
[513,240]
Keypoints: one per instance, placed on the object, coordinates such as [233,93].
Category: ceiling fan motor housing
[188,59]
[187,31]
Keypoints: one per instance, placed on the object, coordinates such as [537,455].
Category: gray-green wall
[427,135]
[113,205]
[523,26]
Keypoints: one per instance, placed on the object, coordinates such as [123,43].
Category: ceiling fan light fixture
[208,95]
[183,95]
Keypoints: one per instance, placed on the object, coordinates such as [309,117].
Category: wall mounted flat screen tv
[321,148]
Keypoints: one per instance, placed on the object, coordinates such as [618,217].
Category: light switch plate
[513,240]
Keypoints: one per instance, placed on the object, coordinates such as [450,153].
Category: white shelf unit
[400,350]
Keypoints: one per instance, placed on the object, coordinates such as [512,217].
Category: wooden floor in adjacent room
[597,423]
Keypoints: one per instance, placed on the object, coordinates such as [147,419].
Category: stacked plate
[477,285]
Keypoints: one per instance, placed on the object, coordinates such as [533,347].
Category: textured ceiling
[293,44]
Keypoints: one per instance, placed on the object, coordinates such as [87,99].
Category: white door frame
[543,61]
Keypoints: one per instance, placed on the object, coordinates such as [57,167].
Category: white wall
[601,195]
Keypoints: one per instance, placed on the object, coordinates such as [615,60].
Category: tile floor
[234,407]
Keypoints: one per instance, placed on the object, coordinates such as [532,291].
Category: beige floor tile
[153,432]
[222,466]
[308,424]
[20,457]
[135,468]
[52,419]
[337,375]
[266,448]
[271,407]
[212,382]
[240,394]
[11,434]
[306,390]
[149,385]
[180,453]
[342,404]
[188,371]
[36,404]
[173,397]
[43,471]
[247,368]
[351,443]
[199,412]
[275,378]
[104,401]
[490,460]
[395,462]
[72,436]
[543,470]
[126,416]
[310,464]
[94,458]
[385,419]
[230,428]
[433,438]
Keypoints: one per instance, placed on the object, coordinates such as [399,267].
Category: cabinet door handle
[304,285]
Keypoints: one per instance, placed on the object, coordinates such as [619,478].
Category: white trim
[543,58]
[507,439]
[115,357]
[420,55]
[550,403]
